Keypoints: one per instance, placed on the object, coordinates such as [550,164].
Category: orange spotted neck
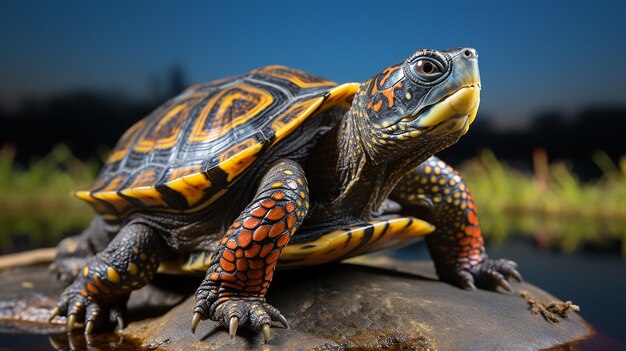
[363,183]
[366,176]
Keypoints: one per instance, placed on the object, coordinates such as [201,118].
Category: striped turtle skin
[189,151]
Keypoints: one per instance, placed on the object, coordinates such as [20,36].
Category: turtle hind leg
[457,246]
[74,252]
[99,293]
[242,267]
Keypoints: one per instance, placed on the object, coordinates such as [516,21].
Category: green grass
[36,201]
[550,204]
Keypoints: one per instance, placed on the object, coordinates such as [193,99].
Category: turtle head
[421,105]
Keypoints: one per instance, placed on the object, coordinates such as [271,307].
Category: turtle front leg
[99,293]
[457,245]
[241,269]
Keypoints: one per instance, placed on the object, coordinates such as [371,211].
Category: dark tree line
[83,120]
[87,120]
[572,137]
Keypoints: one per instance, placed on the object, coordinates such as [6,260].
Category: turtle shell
[188,152]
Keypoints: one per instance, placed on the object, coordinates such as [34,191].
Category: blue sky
[534,55]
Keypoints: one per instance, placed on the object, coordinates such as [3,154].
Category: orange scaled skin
[242,268]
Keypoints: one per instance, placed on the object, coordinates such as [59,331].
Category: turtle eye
[427,70]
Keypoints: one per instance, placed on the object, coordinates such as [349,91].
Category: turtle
[280,168]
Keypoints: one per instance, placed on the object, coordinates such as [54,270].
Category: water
[64,341]
[592,279]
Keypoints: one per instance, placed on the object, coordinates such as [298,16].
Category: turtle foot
[249,312]
[78,307]
[489,274]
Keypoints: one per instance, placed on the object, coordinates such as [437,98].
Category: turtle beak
[463,103]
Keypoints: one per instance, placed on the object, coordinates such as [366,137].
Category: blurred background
[545,157]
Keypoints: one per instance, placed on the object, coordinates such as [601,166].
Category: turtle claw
[197,317]
[505,285]
[71,321]
[233,324]
[266,332]
[89,327]
[283,321]
[515,274]
[116,316]
[55,312]
[469,285]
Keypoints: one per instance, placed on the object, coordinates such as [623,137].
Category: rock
[335,307]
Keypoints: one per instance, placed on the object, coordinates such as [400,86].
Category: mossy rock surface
[396,306]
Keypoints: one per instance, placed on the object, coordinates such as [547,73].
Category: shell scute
[187,153]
